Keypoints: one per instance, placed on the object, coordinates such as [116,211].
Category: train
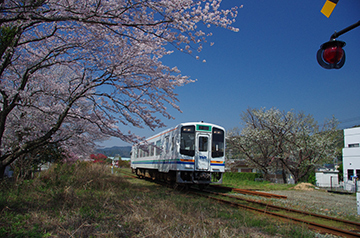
[189,153]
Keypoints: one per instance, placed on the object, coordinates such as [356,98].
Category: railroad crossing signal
[329,7]
[331,54]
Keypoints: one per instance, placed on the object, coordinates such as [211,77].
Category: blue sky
[270,62]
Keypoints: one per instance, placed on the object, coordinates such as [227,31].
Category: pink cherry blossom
[73,71]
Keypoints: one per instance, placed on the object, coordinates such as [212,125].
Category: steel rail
[246,191]
[357,224]
[311,225]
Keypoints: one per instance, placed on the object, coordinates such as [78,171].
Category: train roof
[181,124]
[200,122]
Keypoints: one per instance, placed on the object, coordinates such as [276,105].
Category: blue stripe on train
[170,162]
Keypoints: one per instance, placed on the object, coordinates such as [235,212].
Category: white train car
[192,152]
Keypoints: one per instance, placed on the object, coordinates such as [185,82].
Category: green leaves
[7,35]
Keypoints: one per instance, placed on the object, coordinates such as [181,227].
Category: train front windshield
[217,148]
[187,143]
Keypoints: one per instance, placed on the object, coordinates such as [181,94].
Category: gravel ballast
[319,201]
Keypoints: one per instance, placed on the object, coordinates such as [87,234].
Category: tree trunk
[2,170]
[296,179]
[283,173]
[266,176]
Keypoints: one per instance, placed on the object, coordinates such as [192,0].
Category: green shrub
[312,178]
[309,178]
[124,163]
[242,176]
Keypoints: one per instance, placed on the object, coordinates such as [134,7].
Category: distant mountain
[123,151]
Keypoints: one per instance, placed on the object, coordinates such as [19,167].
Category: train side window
[144,150]
[167,144]
[158,148]
[151,149]
[187,141]
[134,153]
[217,146]
[172,144]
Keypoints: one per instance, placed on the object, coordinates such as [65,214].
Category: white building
[351,156]
[327,178]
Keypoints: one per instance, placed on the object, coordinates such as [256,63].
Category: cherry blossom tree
[308,145]
[257,142]
[73,68]
[274,140]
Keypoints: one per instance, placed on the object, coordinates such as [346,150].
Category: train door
[202,152]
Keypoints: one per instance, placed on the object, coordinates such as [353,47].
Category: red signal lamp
[331,54]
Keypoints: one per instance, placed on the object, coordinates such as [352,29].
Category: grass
[232,181]
[86,200]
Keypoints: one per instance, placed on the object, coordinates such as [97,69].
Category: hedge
[242,176]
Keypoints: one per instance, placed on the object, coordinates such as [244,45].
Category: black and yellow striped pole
[329,7]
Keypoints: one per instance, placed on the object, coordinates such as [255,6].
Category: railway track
[320,223]
[314,221]
[246,191]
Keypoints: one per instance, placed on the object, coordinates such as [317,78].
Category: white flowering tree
[257,141]
[274,140]
[308,145]
[70,69]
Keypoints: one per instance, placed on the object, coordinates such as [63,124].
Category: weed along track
[321,223]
